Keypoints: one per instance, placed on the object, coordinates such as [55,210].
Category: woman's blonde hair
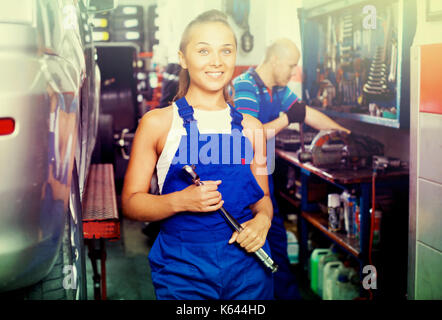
[184,78]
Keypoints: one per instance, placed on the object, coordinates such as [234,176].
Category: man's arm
[246,101]
[313,118]
[320,121]
[293,110]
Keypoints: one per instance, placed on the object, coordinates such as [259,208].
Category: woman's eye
[227,51]
[203,51]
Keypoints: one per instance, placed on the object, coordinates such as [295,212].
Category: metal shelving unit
[393,123]
[311,217]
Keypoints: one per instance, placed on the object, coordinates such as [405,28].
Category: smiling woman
[196,254]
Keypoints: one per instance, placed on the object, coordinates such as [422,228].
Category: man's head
[282,57]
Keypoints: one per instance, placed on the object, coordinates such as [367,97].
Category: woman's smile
[215,74]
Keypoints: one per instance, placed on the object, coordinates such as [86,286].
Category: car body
[49,89]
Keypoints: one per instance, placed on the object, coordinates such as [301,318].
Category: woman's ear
[182,60]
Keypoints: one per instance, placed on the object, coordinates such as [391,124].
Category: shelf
[340,176]
[317,8]
[294,202]
[319,221]
[393,123]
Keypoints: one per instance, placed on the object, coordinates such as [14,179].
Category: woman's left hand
[254,234]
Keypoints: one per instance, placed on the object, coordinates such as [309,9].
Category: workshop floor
[127,267]
[128,271]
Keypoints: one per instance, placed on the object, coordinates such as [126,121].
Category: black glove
[297,112]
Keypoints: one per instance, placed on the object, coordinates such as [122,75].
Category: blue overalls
[284,281]
[191,258]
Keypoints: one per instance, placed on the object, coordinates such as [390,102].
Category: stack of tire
[101,32]
[152,27]
[118,102]
[144,91]
[127,25]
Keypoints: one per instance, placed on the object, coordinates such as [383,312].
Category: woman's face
[209,56]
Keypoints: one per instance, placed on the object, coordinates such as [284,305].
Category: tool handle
[231,220]
[301,136]
[260,253]
[268,262]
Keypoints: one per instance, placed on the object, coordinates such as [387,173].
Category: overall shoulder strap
[236,118]
[186,113]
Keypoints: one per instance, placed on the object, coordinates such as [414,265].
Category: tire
[104,147]
[50,287]
[77,250]
[67,278]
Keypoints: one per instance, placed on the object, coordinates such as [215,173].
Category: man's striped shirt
[247,95]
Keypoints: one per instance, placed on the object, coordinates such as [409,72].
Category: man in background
[264,94]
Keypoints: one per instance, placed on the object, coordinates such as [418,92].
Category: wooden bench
[100,220]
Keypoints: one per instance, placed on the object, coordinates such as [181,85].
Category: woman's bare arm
[255,230]
[137,203]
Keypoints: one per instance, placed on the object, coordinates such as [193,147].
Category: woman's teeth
[214,74]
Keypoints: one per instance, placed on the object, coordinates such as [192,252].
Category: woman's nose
[216,59]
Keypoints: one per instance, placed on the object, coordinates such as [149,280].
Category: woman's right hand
[203,198]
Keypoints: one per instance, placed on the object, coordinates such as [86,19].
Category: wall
[425,238]
[427,32]
[174,15]
[268,20]
[282,21]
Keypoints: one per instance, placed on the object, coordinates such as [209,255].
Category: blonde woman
[196,254]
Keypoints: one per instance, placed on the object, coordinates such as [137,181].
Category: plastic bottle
[334,203]
[345,196]
[340,287]
[344,288]
[314,260]
[349,202]
[341,218]
[292,247]
[331,271]
[323,260]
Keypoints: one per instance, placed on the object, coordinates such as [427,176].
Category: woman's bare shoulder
[157,120]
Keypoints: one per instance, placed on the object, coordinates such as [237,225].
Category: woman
[196,255]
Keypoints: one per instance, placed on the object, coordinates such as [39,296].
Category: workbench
[344,179]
